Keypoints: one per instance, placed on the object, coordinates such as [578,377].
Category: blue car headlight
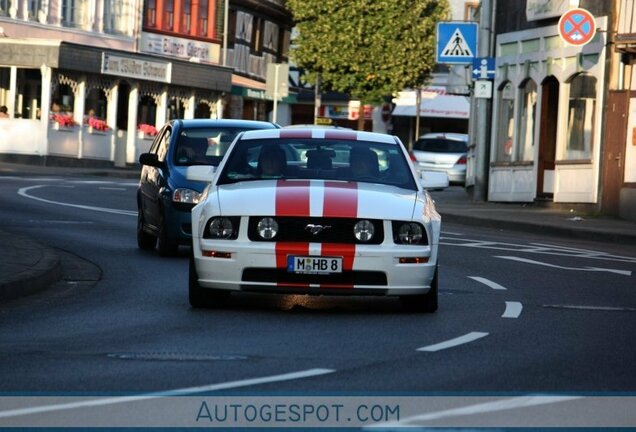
[186,196]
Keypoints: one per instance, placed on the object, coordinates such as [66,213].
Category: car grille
[251,274]
[294,229]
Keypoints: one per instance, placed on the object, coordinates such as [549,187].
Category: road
[518,313]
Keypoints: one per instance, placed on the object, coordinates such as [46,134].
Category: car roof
[197,123]
[319,133]
[446,135]
[306,126]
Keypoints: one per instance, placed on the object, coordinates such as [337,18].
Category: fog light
[413,260]
[216,254]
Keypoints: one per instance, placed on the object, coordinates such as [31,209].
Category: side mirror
[150,159]
[202,173]
[434,180]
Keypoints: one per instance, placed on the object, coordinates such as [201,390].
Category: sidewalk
[27,266]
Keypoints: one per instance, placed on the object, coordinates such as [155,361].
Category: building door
[613,152]
[547,137]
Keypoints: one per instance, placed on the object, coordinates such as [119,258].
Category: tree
[368,49]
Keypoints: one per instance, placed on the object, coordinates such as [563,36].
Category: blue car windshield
[203,146]
[318,159]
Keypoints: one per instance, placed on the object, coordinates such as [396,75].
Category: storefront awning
[433,104]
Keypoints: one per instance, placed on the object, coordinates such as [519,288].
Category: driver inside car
[363,163]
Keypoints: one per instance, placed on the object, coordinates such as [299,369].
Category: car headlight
[364,230]
[221,228]
[409,233]
[186,196]
[267,228]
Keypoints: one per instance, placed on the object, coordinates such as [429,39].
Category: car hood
[178,179]
[321,199]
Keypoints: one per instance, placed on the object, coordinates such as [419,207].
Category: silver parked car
[445,152]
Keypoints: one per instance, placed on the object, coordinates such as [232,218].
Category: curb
[46,272]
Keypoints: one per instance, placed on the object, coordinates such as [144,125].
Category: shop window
[202,110]
[62,100]
[505,122]
[29,90]
[150,14]
[203,18]
[147,111]
[581,113]
[95,105]
[528,98]
[5,85]
[168,15]
[176,110]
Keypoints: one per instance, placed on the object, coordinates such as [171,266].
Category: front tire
[203,297]
[426,303]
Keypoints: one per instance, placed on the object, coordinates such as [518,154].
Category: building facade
[94,80]
[547,126]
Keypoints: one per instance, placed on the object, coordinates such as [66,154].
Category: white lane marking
[592,308]
[538,248]
[513,310]
[491,284]
[24,192]
[63,222]
[482,408]
[112,188]
[470,337]
[178,392]
[594,269]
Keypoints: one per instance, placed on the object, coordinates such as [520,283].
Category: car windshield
[318,159]
[441,145]
[204,146]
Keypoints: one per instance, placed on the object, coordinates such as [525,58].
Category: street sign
[276,80]
[483,89]
[484,68]
[577,27]
[456,42]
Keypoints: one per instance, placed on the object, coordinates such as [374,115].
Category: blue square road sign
[456,42]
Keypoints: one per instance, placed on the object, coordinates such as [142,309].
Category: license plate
[318,265]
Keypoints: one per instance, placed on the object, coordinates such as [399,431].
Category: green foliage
[366,48]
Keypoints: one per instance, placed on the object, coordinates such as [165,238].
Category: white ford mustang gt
[314,211]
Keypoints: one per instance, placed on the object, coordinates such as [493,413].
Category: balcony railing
[626,26]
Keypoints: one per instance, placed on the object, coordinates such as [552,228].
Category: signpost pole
[274,114]
[482,120]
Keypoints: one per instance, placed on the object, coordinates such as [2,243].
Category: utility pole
[317,99]
[483,106]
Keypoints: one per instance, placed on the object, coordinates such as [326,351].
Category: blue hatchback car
[165,197]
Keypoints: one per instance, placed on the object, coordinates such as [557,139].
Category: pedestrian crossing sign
[456,42]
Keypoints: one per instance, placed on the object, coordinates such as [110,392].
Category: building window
[116,18]
[35,6]
[150,14]
[528,94]
[471,9]
[505,122]
[168,19]
[186,18]
[203,18]
[4,7]
[257,36]
[581,113]
[74,13]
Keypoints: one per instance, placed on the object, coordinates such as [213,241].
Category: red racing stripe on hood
[292,198]
[340,201]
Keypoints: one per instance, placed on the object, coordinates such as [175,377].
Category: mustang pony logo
[316,229]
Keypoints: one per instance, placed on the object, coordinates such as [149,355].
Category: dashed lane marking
[491,284]
[513,310]
[467,338]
